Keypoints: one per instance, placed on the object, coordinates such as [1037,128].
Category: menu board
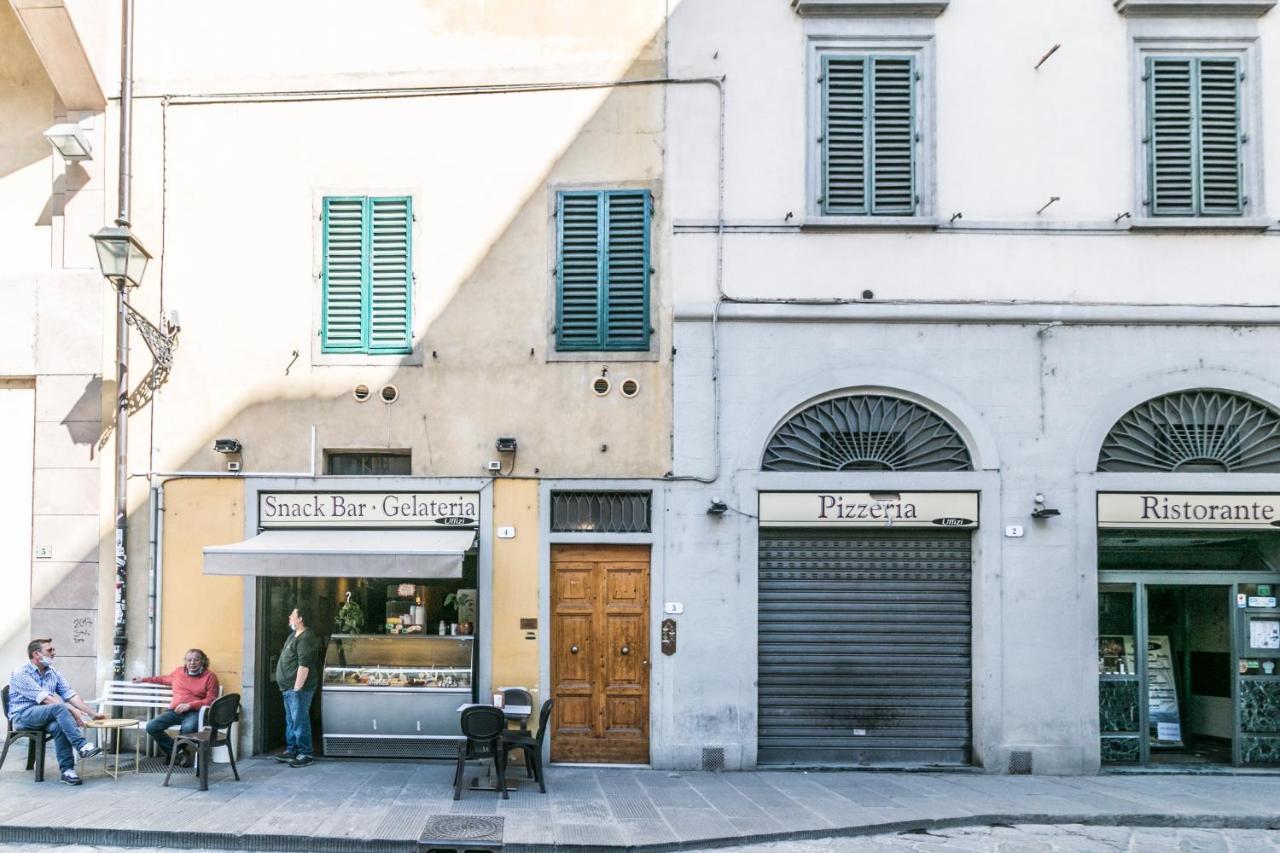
[1162,693]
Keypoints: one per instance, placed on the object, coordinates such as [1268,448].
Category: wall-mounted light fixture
[717,507]
[226,445]
[70,141]
[1042,511]
[505,444]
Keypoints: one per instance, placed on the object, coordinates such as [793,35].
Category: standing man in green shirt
[298,675]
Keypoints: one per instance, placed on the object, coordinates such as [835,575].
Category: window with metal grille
[1195,136]
[367,275]
[869,134]
[1194,431]
[600,512]
[602,270]
[866,432]
[359,464]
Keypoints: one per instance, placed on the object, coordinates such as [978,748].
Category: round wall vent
[361,393]
[630,388]
[600,386]
[389,394]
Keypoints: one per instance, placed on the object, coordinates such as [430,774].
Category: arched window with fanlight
[866,432]
[1195,431]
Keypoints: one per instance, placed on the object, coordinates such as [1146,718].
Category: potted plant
[464,600]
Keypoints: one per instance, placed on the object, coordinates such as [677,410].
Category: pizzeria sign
[368,509]
[869,509]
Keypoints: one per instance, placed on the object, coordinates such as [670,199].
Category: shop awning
[344,553]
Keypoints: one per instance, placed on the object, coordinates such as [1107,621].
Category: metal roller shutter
[864,647]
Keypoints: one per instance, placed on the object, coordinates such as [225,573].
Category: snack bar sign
[869,509]
[1189,511]
[368,509]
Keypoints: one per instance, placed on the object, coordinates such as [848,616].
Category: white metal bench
[156,698]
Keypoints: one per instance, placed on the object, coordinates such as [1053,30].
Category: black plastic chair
[518,696]
[35,738]
[482,726]
[531,746]
[217,732]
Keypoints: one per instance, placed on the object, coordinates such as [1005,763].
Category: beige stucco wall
[199,611]
[515,585]
[234,189]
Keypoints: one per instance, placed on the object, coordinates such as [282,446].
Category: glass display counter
[395,696]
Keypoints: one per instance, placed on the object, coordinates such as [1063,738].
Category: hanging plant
[350,618]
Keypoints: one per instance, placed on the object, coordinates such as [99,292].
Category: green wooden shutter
[602,270]
[893,136]
[344,271]
[390,276]
[626,295]
[868,135]
[1194,135]
[578,275]
[844,135]
[1221,167]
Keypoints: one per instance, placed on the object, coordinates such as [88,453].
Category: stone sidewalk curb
[295,844]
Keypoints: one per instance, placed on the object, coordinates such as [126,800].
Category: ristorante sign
[1189,511]
[869,509]
[368,509]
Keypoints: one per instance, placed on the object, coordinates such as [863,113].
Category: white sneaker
[88,751]
[70,777]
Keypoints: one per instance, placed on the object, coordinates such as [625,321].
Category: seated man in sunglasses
[39,698]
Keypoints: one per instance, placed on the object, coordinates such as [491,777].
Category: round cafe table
[117,726]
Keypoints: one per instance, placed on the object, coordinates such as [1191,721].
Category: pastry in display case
[395,695]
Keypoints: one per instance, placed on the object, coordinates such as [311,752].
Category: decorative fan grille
[1194,431]
[866,433]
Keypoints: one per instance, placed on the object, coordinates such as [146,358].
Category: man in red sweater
[194,687]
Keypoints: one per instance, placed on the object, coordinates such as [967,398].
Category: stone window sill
[1193,8]
[870,223]
[1240,224]
[869,8]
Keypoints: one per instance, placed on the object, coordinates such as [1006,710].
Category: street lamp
[122,258]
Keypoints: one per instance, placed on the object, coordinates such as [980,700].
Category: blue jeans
[60,720]
[297,721]
[156,728]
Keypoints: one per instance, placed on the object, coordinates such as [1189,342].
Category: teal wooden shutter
[1194,136]
[578,275]
[626,316]
[390,276]
[367,275]
[868,136]
[602,270]
[344,271]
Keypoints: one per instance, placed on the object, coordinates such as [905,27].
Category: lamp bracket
[161,343]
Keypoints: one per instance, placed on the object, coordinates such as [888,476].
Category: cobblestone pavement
[1071,838]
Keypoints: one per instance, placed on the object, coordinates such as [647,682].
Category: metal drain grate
[713,758]
[462,833]
[1020,763]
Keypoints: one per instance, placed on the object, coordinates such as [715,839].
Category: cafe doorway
[325,597]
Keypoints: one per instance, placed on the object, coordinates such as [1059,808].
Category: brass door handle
[573,650]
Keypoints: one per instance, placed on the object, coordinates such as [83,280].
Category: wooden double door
[600,654]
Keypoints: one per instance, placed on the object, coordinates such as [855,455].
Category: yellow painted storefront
[207,612]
